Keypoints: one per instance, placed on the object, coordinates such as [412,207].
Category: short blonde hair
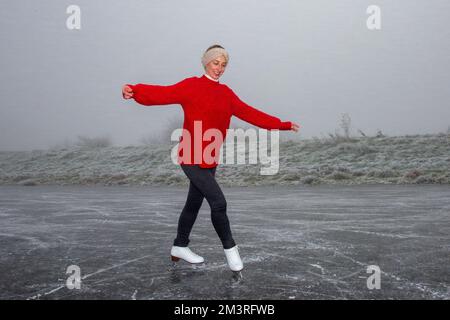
[213,52]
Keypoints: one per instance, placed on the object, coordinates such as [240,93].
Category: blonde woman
[210,103]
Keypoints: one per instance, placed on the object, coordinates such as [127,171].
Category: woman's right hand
[127,92]
[295,127]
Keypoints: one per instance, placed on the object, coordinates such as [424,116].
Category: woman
[210,103]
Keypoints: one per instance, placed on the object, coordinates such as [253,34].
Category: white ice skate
[233,259]
[186,254]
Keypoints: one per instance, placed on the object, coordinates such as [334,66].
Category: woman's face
[216,67]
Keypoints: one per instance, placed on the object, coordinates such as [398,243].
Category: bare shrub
[380,134]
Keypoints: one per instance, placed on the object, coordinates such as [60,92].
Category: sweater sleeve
[256,117]
[149,94]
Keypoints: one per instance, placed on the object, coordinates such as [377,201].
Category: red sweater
[207,101]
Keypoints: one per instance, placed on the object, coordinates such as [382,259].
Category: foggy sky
[302,61]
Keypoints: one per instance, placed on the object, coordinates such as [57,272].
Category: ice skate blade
[236,278]
[176,259]
[237,274]
[199,265]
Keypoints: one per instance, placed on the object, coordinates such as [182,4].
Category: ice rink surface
[305,242]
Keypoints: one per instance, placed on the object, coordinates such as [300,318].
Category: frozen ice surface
[297,242]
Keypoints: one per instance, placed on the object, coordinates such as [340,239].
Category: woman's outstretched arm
[147,94]
[258,118]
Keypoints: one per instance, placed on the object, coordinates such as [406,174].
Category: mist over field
[415,159]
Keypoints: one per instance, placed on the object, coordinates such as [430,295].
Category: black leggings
[203,184]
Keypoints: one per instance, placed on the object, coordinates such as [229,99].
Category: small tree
[346,124]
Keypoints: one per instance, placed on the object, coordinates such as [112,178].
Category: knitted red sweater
[207,101]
